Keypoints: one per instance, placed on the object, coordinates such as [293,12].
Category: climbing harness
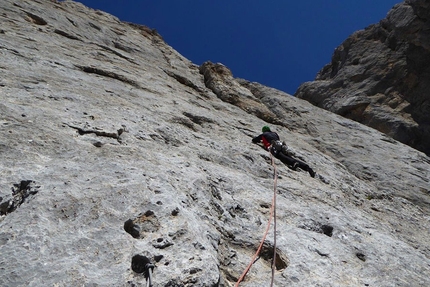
[272,214]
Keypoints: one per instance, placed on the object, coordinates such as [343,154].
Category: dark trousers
[288,160]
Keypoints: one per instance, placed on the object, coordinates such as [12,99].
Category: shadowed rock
[380,76]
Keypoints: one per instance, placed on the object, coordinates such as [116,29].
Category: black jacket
[266,138]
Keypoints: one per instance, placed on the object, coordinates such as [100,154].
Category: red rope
[272,214]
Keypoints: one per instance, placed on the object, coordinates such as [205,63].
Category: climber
[280,150]
[266,137]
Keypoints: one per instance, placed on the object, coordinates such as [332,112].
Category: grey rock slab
[133,152]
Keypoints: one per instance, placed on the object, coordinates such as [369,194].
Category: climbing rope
[275,183]
[272,214]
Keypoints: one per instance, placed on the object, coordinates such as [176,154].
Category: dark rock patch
[161,243]
[98,132]
[94,26]
[317,227]
[144,223]
[131,228]
[20,192]
[65,34]
[183,81]
[142,264]
[175,212]
[361,256]
[198,119]
[109,74]
[35,19]
[380,77]
[281,260]
[327,230]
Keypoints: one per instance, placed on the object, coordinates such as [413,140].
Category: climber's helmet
[265,129]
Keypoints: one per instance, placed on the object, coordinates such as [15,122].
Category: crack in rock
[115,135]
[65,34]
[20,192]
[198,119]
[35,19]
[109,74]
[183,81]
[116,53]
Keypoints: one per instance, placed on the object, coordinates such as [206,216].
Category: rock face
[116,150]
[380,76]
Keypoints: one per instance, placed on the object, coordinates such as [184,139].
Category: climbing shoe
[311,172]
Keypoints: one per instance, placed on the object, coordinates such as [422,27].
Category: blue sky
[278,43]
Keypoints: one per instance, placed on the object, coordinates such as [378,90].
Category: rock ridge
[379,76]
